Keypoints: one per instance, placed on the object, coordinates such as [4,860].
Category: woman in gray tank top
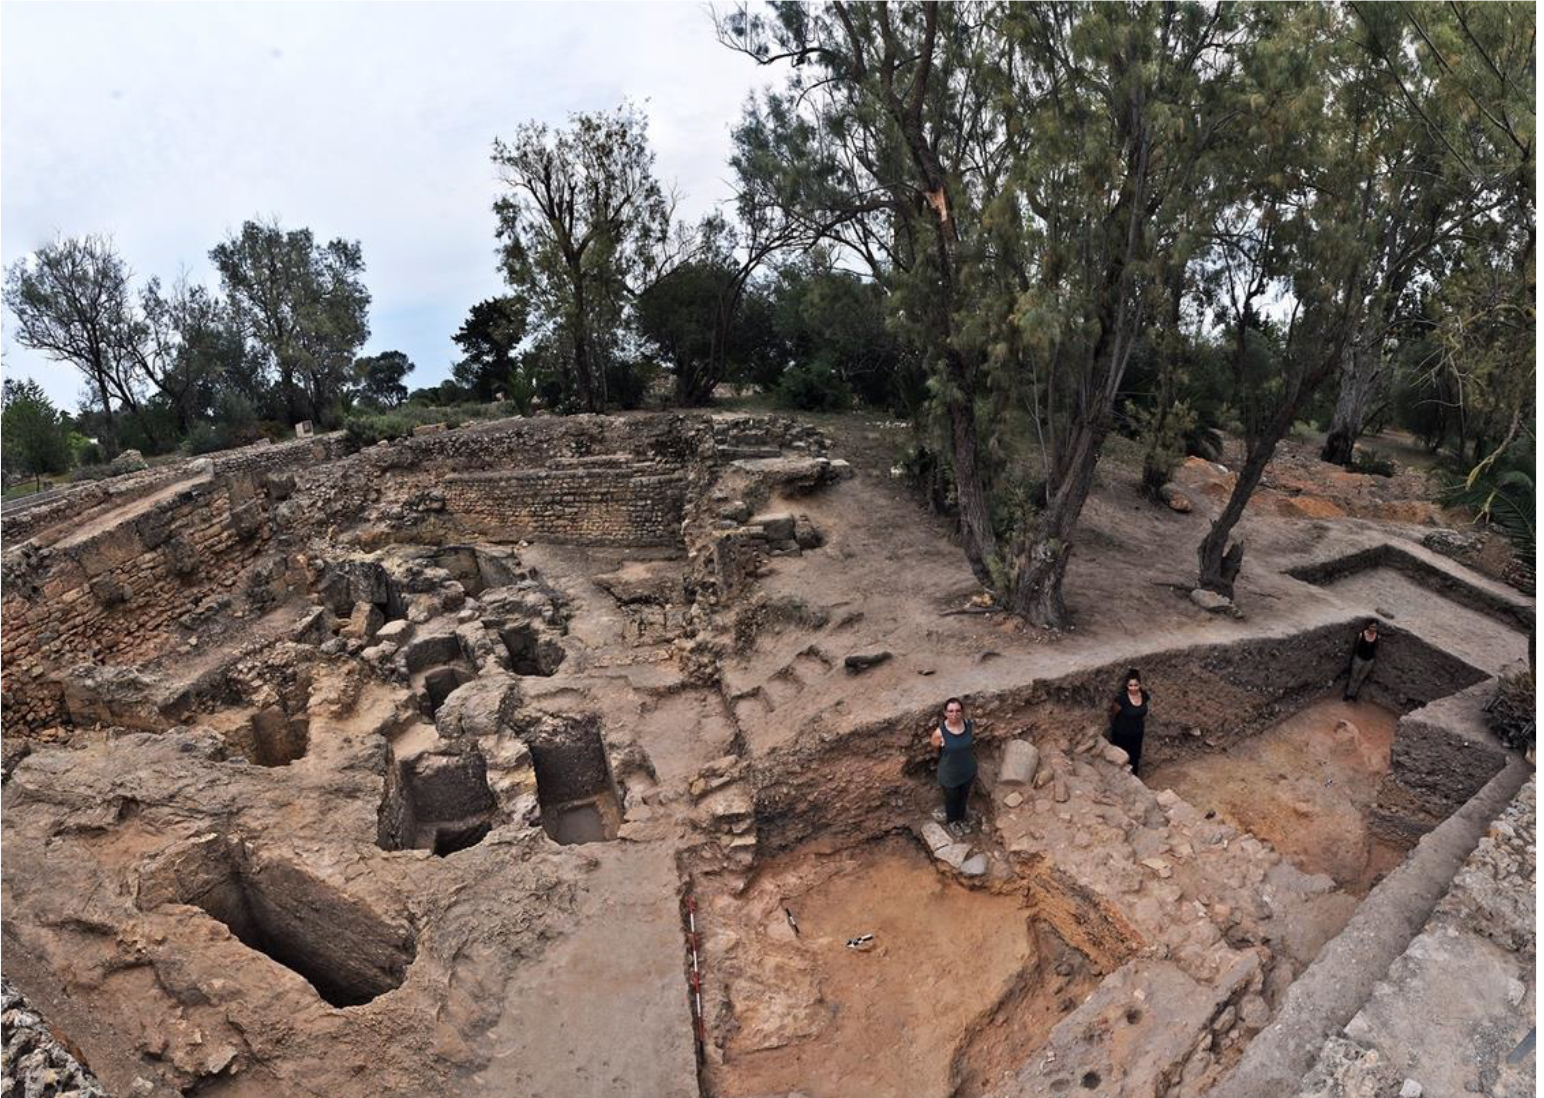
[955,739]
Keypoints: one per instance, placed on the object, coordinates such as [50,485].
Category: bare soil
[1307,786]
[943,958]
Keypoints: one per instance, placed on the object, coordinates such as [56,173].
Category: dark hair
[1373,625]
[1131,673]
[954,701]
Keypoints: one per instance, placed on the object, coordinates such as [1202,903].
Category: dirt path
[618,973]
[1305,785]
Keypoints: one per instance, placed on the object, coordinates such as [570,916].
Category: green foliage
[94,471]
[34,439]
[1500,491]
[813,387]
[488,339]
[372,427]
[71,302]
[689,314]
[1373,463]
[379,378]
[580,221]
[367,428]
[820,312]
[306,309]
[1163,434]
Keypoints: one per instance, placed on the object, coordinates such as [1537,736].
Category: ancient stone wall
[1206,698]
[406,486]
[1430,572]
[108,576]
[113,597]
[79,502]
[606,500]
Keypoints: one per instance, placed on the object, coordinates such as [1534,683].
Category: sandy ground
[943,957]
[1306,786]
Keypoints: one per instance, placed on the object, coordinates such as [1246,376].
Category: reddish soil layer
[1306,786]
[943,959]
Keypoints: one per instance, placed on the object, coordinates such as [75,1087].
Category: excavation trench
[1207,700]
[344,949]
[575,787]
[1308,785]
[437,800]
[1253,733]
[827,956]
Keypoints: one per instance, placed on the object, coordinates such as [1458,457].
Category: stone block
[862,661]
[247,519]
[1021,759]
[777,526]
[935,836]
[364,623]
[110,591]
[953,855]
[395,631]
[1210,601]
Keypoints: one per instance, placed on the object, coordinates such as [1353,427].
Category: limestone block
[395,631]
[953,855]
[935,836]
[1020,761]
[364,623]
[778,526]
[1210,601]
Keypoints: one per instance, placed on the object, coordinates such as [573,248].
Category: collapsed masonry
[382,773]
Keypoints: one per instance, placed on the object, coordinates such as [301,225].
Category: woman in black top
[1363,653]
[955,739]
[1128,715]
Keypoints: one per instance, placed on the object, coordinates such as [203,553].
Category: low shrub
[813,387]
[1372,463]
[1511,710]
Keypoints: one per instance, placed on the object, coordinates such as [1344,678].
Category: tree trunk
[1358,382]
[976,533]
[1036,592]
[582,347]
[1219,561]
[109,441]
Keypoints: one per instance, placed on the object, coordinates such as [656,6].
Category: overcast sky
[168,124]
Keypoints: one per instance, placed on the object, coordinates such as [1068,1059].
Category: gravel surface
[34,1064]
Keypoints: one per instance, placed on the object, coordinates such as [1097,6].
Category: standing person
[1128,717]
[1363,653]
[955,739]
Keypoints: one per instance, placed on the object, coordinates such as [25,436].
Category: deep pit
[344,950]
[271,737]
[530,653]
[437,800]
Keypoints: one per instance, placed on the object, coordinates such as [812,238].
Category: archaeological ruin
[588,757]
